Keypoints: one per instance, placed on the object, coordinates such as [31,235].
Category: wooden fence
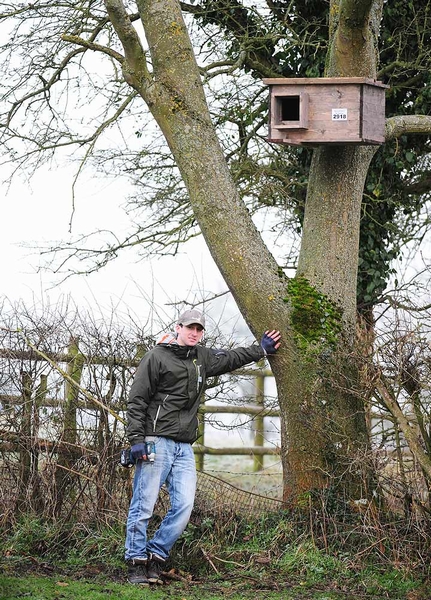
[71,367]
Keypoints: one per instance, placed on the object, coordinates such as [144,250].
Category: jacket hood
[169,341]
[167,338]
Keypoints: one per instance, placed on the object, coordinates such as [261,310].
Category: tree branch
[135,68]
[43,89]
[405,124]
[93,139]
[410,434]
[79,41]
[239,22]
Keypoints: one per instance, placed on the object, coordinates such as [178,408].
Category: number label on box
[339,114]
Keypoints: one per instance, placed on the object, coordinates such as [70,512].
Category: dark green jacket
[165,394]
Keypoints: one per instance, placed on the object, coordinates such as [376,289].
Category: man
[162,413]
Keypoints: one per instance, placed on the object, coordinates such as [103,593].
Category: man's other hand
[139,451]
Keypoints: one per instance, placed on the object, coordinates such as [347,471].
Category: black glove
[269,345]
[139,451]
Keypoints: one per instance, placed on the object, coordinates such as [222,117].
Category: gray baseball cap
[189,317]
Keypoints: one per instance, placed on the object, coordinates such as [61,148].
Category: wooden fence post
[25,439]
[39,399]
[258,459]
[68,438]
[74,370]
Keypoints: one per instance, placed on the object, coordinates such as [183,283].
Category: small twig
[174,576]
[230,562]
[207,558]
[376,543]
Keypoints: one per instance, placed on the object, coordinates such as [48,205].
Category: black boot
[137,571]
[155,567]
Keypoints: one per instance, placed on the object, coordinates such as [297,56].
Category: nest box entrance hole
[289,108]
[291,111]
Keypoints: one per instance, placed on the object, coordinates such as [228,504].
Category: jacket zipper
[198,375]
[158,412]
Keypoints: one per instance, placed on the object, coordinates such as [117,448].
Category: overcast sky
[38,212]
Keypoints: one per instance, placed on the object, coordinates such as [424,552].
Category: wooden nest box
[327,110]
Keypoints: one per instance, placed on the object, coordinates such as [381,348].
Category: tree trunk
[326,426]
[322,425]
[326,429]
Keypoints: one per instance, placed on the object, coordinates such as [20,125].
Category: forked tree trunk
[323,423]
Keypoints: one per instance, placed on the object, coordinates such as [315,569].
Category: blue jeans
[174,466]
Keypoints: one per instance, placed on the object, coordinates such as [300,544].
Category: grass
[239,560]
[65,588]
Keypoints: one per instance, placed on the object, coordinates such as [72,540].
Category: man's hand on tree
[271,341]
